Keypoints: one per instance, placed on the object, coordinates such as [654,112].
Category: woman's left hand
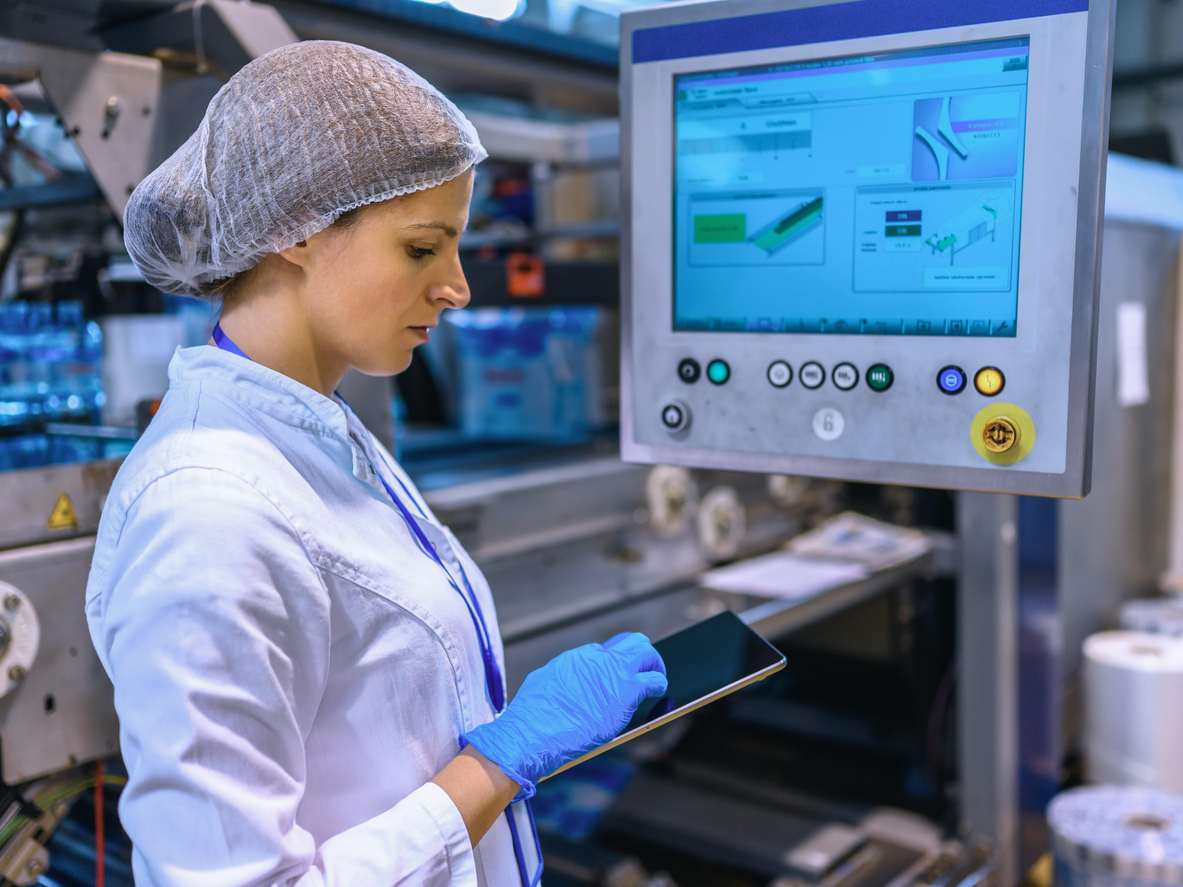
[575,703]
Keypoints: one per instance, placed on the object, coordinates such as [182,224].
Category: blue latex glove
[575,703]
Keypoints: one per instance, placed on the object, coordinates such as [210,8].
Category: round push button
[845,376]
[989,381]
[880,377]
[718,371]
[951,380]
[1001,434]
[812,375]
[689,370]
[675,416]
[780,373]
[828,423]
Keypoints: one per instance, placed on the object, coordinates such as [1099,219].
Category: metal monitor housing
[912,433]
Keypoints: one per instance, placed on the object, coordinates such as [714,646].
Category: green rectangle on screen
[728,228]
[903,231]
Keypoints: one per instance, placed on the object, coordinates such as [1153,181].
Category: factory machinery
[894,749]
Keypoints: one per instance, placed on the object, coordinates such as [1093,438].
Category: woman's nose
[453,288]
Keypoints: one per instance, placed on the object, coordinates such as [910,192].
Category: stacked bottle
[50,371]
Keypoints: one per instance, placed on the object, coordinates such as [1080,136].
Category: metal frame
[1094,148]
[62,711]
[988,674]
[108,102]
[225,33]
[1075,481]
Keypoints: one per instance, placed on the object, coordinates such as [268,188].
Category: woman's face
[377,288]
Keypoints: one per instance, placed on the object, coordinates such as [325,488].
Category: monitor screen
[875,194]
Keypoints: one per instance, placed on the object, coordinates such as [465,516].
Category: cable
[49,800]
[100,863]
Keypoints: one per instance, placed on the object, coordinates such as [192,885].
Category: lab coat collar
[274,394]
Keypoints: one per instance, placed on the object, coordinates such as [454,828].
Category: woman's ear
[298,255]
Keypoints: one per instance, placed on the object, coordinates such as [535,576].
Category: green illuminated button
[880,377]
[718,371]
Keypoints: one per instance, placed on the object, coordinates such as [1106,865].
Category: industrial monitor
[862,239]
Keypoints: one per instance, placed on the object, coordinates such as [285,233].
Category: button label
[845,376]
[828,423]
[812,375]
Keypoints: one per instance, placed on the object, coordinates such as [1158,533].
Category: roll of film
[1133,685]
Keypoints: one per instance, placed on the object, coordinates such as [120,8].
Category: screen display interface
[703,659]
[875,194]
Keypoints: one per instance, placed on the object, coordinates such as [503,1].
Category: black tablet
[704,662]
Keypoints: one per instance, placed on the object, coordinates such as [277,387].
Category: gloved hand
[575,703]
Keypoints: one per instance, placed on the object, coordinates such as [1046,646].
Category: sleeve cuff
[442,811]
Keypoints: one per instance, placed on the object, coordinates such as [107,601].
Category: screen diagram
[775,227]
[876,194]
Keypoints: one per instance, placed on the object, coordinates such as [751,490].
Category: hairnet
[296,138]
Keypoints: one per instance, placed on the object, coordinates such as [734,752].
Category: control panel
[862,238]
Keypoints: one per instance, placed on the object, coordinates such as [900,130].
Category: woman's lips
[422,332]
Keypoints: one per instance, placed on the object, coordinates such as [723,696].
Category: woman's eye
[418,252]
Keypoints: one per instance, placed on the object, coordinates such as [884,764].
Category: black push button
[689,371]
[675,416]
[780,373]
[844,376]
[812,375]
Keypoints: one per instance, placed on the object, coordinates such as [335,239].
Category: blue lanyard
[494,683]
[493,680]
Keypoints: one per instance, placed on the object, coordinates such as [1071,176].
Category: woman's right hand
[575,703]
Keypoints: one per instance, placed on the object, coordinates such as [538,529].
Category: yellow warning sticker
[63,516]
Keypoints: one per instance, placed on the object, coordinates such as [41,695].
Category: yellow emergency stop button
[1002,433]
[989,381]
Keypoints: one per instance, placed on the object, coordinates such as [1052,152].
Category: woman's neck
[270,328]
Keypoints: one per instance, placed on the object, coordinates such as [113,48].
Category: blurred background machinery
[931,707]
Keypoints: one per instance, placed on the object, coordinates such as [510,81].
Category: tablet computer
[704,662]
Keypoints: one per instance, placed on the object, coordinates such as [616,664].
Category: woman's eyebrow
[446,228]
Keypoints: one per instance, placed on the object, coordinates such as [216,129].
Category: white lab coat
[290,669]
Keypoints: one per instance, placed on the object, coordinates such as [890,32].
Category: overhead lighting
[498,10]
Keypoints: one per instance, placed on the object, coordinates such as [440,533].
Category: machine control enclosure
[849,225]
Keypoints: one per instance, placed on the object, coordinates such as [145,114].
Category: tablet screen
[704,659]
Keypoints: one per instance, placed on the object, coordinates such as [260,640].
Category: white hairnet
[296,138]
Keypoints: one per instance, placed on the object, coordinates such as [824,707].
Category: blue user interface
[873,194]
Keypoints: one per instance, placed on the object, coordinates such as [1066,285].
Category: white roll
[1133,685]
[1109,836]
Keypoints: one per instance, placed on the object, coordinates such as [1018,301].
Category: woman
[306,664]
